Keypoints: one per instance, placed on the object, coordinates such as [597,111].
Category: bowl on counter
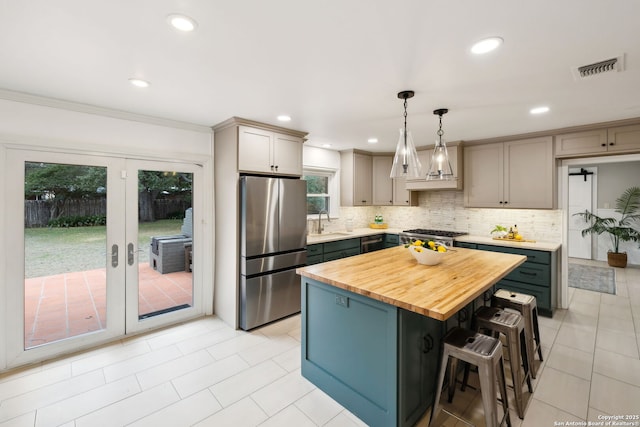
[426,256]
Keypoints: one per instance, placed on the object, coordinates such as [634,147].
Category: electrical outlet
[342,300]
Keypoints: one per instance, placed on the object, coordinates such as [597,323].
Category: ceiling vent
[590,70]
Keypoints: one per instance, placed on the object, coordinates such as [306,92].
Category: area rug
[599,279]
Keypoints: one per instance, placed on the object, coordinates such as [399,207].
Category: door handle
[130,253]
[114,256]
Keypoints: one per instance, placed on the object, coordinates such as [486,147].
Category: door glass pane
[65,251]
[165,242]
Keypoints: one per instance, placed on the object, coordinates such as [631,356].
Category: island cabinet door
[349,350]
[418,356]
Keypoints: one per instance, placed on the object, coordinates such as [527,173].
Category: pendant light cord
[440,131]
[405,122]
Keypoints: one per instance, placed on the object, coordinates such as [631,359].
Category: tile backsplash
[445,210]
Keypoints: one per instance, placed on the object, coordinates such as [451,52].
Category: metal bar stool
[526,305]
[486,353]
[511,325]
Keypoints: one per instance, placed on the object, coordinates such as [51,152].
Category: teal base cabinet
[391,240]
[314,254]
[341,249]
[375,359]
[538,276]
[465,245]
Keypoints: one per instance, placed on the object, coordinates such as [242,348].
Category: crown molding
[28,98]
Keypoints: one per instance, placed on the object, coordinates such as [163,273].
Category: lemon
[517,237]
[431,244]
[442,249]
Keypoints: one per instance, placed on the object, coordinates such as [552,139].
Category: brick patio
[70,304]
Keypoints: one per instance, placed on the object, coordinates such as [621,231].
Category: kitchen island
[371,325]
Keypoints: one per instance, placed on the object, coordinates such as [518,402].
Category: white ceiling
[335,66]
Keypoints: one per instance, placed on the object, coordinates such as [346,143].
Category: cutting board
[378,225]
[506,239]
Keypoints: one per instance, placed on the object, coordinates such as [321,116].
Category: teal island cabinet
[372,324]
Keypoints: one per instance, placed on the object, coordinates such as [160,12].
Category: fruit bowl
[426,256]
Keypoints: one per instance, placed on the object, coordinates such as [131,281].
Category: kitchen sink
[332,233]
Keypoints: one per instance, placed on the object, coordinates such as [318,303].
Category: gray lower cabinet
[537,276]
[378,361]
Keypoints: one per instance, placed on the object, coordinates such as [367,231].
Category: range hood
[455,158]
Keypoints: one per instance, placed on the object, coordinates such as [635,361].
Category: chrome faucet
[320,228]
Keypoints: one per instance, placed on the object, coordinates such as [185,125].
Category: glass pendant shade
[440,167]
[405,162]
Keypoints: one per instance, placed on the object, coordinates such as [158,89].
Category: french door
[98,248]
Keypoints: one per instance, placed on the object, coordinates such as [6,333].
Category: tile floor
[203,373]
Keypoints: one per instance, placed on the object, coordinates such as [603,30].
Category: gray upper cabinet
[387,191]
[382,182]
[614,140]
[514,174]
[267,152]
[356,187]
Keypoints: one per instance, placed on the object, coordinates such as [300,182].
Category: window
[320,190]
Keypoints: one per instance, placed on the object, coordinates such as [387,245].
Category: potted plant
[620,230]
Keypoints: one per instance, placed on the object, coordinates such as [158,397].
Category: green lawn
[60,250]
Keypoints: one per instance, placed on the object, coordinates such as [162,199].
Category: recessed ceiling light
[486,45]
[539,110]
[139,82]
[372,140]
[326,145]
[182,22]
[284,118]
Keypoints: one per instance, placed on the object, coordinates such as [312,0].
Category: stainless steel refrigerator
[273,239]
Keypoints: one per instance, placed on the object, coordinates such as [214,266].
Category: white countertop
[331,236]
[539,246]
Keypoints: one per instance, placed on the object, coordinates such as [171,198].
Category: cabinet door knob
[272,167]
[276,167]
[604,145]
[612,143]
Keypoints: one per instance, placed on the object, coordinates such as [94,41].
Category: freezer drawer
[253,266]
[264,299]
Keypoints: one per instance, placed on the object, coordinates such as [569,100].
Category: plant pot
[617,259]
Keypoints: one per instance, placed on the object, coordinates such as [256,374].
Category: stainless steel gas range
[443,236]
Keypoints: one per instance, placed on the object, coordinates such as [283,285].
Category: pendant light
[405,162]
[440,167]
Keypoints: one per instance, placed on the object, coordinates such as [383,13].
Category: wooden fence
[37,213]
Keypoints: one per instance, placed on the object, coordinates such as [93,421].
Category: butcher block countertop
[394,277]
